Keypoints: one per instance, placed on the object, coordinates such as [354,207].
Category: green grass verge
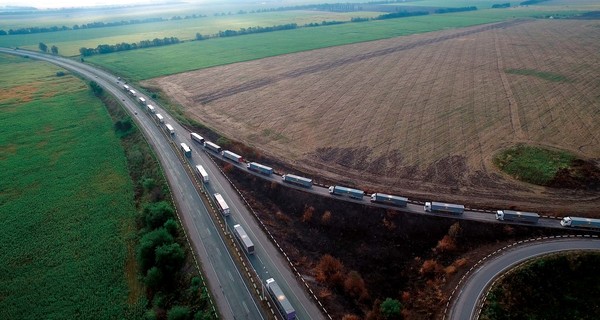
[66,200]
[533,164]
[550,76]
[558,287]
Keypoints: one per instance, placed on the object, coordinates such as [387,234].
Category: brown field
[421,115]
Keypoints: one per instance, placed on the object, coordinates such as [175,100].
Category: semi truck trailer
[160,118]
[232,156]
[301,181]
[142,101]
[578,222]
[170,129]
[202,173]
[281,302]
[260,168]
[389,199]
[221,204]
[151,109]
[518,216]
[345,191]
[440,207]
[186,150]
[213,147]
[196,137]
[243,238]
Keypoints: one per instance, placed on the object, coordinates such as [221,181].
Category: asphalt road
[468,299]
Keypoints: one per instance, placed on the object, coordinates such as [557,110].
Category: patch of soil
[580,175]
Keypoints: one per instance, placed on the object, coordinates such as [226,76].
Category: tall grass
[66,200]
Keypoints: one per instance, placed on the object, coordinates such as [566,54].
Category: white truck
[202,173]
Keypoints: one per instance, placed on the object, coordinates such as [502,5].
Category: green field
[149,63]
[533,164]
[70,41]
[66,200]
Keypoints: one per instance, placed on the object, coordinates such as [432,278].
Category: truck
[170,129]
[142,101]
[126,87]
[202,173]
[441,207]
[213,147]
[301,181]
[242,237]
[345,191]
[578,222]
[221,204]
[232,156]
[389,199]
[196,137]
[518,216]
[151,109]
[186,150]
[160,118]
[281,302]
[260,168]
[132,92]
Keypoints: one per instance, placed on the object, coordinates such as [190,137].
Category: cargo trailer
[221,204]
[232,156]
[132,92]
[242,237]
[186,150]
[213,147]
[281,302]
[440,207]
[389,199]
[142,101]
[578,222]
[160,118]
[196,137]
[151,109]
[301,181]
[345,191]
[170,129]
[260,168]
[202,173]
[518,216]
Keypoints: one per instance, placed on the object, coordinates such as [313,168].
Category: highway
[469,298]
[231,294]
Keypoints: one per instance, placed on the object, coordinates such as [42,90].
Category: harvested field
[421,115]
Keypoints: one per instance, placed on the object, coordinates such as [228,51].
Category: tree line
[124,46]
[44,48]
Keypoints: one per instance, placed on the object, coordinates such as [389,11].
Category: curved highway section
[470,297]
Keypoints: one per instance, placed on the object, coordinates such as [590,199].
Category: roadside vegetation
[562,286]
[174,288]
[66,201]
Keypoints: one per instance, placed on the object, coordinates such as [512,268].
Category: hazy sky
[70,3]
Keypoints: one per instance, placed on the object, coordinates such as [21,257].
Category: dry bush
[282,216]
[460,262]
[389,224]
[227,168]
[330,270]
[447,244]
[430,267]
[405,296]
[351,317]
[308,214]
[326,218]
[454,230]
[354,285]
[325,294]
[450,270]
[509,230]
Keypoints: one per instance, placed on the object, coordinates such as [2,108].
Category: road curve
[469,298]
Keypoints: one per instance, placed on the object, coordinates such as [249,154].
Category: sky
[45,4]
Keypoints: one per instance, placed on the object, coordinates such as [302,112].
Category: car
[135,112]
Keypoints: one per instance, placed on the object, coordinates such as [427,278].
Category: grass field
[533,164]
[66,200]
[70,41]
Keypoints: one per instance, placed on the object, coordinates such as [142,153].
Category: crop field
[155,62]
[66,201]
[421,115]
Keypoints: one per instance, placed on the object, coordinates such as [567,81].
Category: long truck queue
[357,194]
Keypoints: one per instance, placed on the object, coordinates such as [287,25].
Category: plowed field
[421,115]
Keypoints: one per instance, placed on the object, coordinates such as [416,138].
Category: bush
[148,244]
[179,313]
[157,214]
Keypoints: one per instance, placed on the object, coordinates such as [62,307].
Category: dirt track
[420,116]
